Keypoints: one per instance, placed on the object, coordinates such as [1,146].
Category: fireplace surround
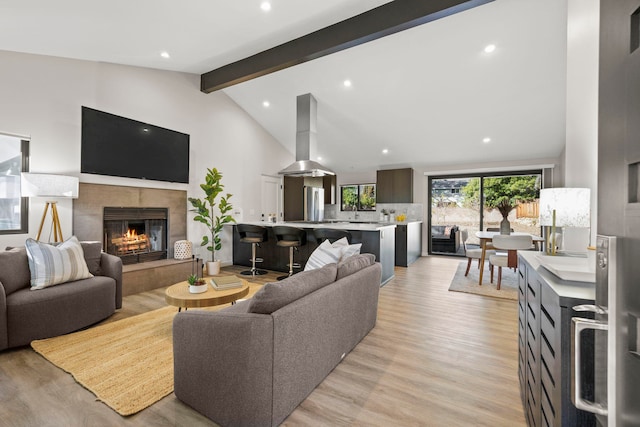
[98,203]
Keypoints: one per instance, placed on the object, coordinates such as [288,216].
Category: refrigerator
[617,303]
[313,204]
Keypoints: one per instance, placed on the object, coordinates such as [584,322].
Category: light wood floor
[435,358]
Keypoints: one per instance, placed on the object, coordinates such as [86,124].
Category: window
[360,197]
[14,159]
[469,203]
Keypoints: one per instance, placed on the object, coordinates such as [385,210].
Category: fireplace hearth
[136,234]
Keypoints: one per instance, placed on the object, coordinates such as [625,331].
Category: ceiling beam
[382,21]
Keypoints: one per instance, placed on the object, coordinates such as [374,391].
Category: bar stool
[292,238]
[331,234]
[254,234]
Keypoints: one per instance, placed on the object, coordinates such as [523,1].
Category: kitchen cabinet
[545,309]
[329,185]
[293,202]
[408,243]
[394,186]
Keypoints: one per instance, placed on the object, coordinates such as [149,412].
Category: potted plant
[196,285]
[212,218]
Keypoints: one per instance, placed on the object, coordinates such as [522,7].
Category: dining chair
[472,253]
[510,243]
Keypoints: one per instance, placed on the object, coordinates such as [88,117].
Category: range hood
[306,125]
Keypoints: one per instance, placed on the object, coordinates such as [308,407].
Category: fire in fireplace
[136,234]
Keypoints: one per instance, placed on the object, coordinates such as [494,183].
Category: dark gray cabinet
[329,185]
[545,309]
[394,186]
[408,243]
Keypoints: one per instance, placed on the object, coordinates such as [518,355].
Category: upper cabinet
[394,186]
[329,185]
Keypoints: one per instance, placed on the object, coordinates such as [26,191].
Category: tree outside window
[360,197]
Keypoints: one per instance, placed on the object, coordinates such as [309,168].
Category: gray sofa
[445,238]
[253,363]
[26,315]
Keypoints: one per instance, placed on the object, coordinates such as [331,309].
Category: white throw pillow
[51,265]
[340,242]
[350,251]
[324,254]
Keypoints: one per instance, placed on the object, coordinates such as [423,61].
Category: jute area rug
[127,364]
[469,284]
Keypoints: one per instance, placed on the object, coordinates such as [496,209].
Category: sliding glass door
[455,209]
[464,204]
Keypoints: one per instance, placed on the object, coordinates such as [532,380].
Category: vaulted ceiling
[429,95]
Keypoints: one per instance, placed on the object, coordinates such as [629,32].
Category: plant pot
[213,268]
[198,289]
[505,226]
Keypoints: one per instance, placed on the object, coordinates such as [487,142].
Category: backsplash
[413,211]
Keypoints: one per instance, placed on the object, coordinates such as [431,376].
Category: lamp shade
[46,185]
[572,207]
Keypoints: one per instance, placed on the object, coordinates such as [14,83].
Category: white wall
[42,96]
[581,156]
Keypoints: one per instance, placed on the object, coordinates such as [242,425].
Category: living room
[225,135]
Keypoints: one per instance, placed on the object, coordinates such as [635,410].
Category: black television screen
[117,146]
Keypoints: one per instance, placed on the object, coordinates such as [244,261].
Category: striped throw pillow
[51,265]
[323,255]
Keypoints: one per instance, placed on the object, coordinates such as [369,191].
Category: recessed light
[489,48]
[266,6]
[385,151]
[319,158]
[266,104]
[165,55]
[347,83]
[486,140]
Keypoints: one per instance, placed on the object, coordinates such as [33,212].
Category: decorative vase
[213,268]
[198,288]
[505,226]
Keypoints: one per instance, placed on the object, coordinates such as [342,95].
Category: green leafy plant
[207,214]
[501,193]
[192,280]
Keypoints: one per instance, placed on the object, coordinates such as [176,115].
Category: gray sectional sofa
[253,363]
[26,315]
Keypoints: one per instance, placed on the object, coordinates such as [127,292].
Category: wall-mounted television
[117,146]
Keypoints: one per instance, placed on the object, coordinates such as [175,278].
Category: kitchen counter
[376,238]
[339,225]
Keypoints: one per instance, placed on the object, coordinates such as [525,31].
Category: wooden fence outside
[528,210]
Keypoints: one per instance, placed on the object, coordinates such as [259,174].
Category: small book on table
[225,282]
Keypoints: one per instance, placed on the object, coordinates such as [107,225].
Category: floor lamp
[50,187]
[566,208]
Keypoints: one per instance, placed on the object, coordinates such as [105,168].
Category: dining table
[487,236]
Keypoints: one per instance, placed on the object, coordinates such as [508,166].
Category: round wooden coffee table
[179,296]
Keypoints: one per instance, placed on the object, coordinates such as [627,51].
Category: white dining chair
[473,253]
[510,243]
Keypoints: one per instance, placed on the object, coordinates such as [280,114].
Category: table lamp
[49,186]
[564,207]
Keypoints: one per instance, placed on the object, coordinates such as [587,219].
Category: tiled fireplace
[136,223]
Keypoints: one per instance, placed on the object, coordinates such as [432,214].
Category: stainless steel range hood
[306,125]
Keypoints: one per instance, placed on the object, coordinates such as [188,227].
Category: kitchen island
[376,238]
